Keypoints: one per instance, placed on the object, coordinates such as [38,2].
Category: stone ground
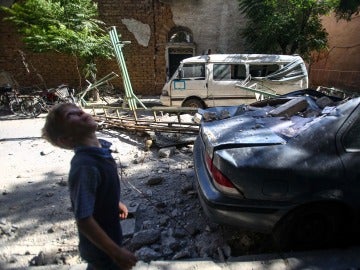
[167,223]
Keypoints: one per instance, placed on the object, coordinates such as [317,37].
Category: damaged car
[288,166]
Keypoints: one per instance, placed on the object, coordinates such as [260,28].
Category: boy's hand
[123,211]
[125,259]
[121,256]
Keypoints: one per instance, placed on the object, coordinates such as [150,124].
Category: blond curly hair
[54,127]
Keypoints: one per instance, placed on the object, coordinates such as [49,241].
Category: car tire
[312,226]
[193,103]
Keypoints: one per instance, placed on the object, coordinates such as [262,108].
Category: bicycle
[9,99]
[14,98]
[44,100]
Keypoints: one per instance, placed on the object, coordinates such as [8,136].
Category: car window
[351,140]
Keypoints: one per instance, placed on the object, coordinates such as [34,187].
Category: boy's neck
[92,141]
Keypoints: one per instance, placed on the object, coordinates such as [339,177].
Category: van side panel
[222,84]
[191,84]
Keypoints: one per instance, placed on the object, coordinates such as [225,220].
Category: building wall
[146,23]
[24,65]
[339,66]
[136,21]
[214,25]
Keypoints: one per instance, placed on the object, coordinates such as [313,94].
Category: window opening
[193,71]
[262,70]
[229,72]
[180,36]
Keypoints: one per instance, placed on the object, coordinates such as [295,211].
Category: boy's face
[77,122]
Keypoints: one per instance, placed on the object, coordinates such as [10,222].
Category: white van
[233,79]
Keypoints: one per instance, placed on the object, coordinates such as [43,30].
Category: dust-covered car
[289,166]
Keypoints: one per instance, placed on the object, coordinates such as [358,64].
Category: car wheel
[193,103]
[313,226]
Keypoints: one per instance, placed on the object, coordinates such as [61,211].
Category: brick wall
[54,68]
[346,80]
[145,64]
[339,66]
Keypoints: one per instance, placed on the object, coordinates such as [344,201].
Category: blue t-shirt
[95,191]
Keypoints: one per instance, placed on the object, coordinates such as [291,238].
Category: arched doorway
[180,46]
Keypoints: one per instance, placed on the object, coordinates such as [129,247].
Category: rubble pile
[166,221]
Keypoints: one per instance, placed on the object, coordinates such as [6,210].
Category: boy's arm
[121,256]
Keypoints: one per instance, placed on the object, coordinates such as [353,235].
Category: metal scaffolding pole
[130,98]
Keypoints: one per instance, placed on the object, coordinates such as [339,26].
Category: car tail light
[220,180]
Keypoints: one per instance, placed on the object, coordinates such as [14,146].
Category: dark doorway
[174,61]
[180,46]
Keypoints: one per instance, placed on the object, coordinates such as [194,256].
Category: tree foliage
[347,8]
[66,26]
[287,26]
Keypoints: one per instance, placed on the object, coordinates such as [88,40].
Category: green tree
[67,26]
[346,8]
[288,26]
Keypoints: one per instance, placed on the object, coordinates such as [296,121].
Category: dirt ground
[33,195]
[37,225]
[35,211]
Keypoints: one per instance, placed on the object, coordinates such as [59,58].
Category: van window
[262,70]
[229,72]
[193,71]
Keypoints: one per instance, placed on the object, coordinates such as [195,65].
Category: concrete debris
[153,181]
[7,229]
[165,218]
[290,108]
[166,152]
[147,254]
[144,238]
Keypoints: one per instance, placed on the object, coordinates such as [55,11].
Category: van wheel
[193,103]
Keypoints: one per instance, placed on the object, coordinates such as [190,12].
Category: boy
[94,187]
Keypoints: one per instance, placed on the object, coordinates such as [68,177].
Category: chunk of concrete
[290,108]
